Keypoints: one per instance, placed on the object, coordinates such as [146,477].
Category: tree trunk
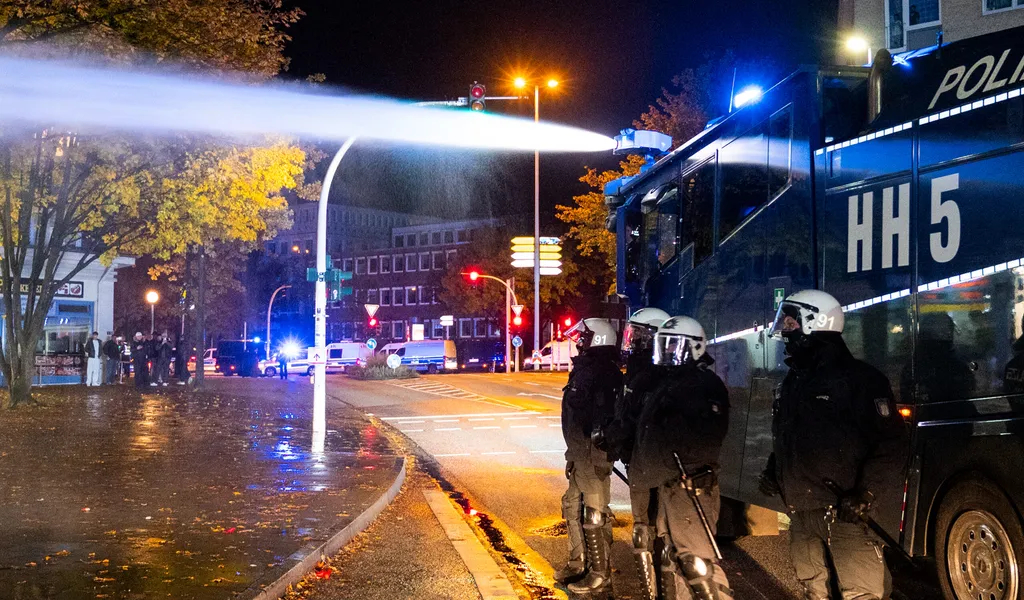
[199,330]
[20,383]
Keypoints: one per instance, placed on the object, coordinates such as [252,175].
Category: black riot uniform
[835,418]
[140,361]
[588,405]
[685,415]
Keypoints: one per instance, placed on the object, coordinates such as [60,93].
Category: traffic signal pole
[508,326]
[536,233]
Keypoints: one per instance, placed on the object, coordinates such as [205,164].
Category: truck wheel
[979,543]
[432,369]
[270,371]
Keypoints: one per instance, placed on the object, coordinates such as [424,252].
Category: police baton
[692,493]
[873,525]
[620,474]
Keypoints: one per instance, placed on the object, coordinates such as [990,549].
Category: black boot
[572,572]
[667,575]
[599,576]
[648,576]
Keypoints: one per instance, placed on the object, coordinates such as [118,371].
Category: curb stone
[296,566]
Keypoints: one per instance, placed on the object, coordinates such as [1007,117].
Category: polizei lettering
[987,74]
[943,236]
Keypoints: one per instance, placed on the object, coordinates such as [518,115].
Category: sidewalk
[175,494]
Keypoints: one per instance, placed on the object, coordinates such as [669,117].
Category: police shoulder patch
[882,406]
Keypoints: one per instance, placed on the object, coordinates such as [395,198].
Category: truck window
[334,353]
[698,211]
[668,225]
[780,151]
[744,163]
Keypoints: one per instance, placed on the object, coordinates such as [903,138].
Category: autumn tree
[70,199]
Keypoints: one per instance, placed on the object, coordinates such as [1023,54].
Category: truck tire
[432,369]
[979,543]
[270,371]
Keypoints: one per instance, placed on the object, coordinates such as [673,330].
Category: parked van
[431,356]
[390,348]
[346,354]
[559,354]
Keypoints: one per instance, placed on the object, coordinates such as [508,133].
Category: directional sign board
[517,342]
[394,361]
[371,309]
[517,309]
[371,344]
[447,320]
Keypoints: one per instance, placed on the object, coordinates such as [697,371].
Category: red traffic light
[567,321]
[373,322]
[517,321]
[477,91]
[473,275]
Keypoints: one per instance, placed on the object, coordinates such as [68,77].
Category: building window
[479,328]
[399,241]
[992,6]
[398,330]
[449,237]
[371,296]
[433,296]
[371,265]
[465,328]
[423,294]
[360,266]
[435,238]
[385,297]
[907,15]
[437,257]
[399,264]
[271,247]
[424,261]
[385,265]
[397,297]
[449,258]
[410,240]
[346,265]
[410,262]
[438,329]
[463,236]
[424,239]
[494,330]
[410,296]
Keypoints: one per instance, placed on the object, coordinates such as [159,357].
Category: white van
[390,348]
[346,354]
[559,354]
[431,356]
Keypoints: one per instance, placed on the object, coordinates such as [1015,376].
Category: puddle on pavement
[173,494]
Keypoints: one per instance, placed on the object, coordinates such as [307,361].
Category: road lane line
[559,417]
[488,427]
[446,420]
[411,430]
[448,429]
[495,453]
[522,426]
[501,414]
[531,383]
[484,419]
[515,418]
[490,580]
[410,422]
[541,395]
[554,424]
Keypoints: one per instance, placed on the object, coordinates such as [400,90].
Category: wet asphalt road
[500,437]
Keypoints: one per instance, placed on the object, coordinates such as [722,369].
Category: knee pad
[665,558]
[593,517]
[641,537]
[698,574]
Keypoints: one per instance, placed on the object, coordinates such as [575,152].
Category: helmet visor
[580,335]
[672,349]
[788,320]
[636,337]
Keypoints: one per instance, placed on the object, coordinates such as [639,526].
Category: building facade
[404,280]
[905,25]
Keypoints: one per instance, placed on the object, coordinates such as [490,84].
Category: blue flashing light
[749,95]
[256,339]
[631,141]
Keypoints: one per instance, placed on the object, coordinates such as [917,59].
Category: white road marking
[484,419]
[446,420]
[411,430]
[410,422]
[501,414]
[531,383]
[523,427]
[515,418]
[488,427]
[449,429]
[559,417]
[541,395]
[554,425]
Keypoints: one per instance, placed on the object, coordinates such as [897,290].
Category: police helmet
[592,333]
[640,329]
[679,341]
[808,312]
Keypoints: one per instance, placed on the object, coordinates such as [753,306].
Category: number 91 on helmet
[679,341]
[592,333]
[807,312]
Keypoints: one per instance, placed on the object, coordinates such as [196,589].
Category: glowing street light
[859,45]
[552,83]
[152,297]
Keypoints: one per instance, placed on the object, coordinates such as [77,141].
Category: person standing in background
[94,360]
[112,356]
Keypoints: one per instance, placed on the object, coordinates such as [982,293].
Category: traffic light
[477,97]
[517,321]
[567,321]
[372,323]
[473,275]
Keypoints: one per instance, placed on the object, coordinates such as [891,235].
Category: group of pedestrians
[103,359]
[835,427]
[151,360]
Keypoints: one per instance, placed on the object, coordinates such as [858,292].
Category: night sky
[612,57]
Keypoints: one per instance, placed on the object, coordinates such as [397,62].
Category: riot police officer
[641,374]
[588,405]
[835,420]
[679,438]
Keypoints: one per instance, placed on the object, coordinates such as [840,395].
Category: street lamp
[270,306]
[152,297]
[520,83]
[858,45]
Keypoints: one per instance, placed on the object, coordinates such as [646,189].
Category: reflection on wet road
[176,494]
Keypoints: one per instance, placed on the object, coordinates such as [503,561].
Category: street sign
[553,264]
[517,342]
[524,240]
[394,361]
[447,320]
[417,332]
[371,309]
[517,309]
[778,295]
[371,344]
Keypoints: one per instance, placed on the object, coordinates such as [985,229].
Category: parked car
[236,357]
[557,353]
[481,355]
[432,356]
[209,361]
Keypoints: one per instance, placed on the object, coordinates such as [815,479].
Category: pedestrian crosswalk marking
[447,391]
